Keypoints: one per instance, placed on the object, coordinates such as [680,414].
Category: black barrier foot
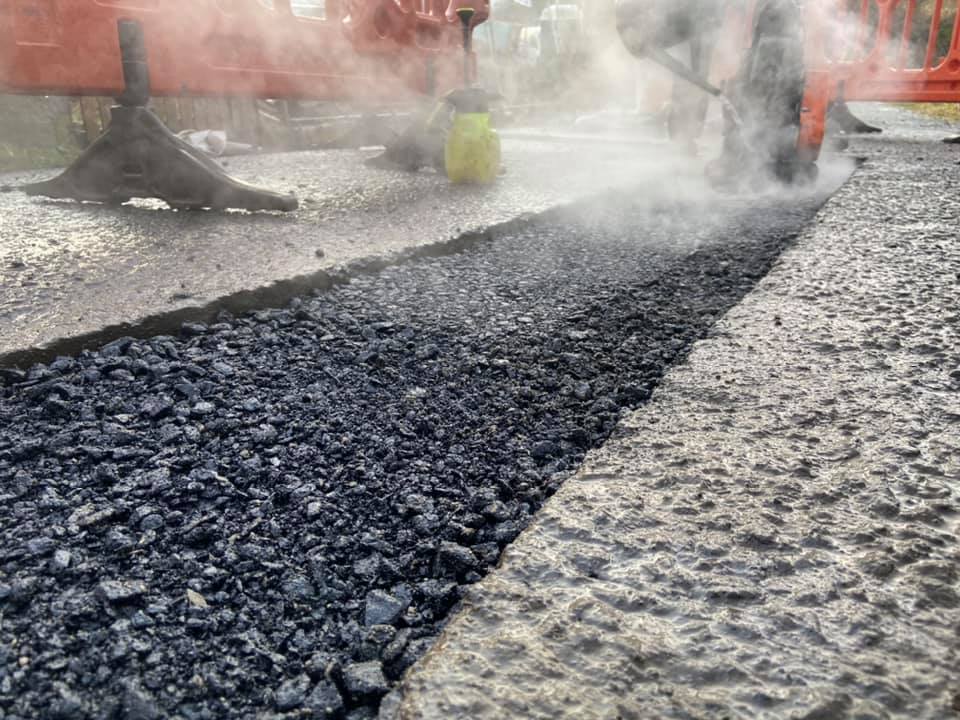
[420,145]
[139,157]
[846,122]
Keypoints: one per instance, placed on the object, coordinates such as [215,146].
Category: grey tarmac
[227,523]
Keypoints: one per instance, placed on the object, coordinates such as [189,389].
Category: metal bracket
[137,156]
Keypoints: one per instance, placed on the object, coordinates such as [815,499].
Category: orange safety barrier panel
[878,50]
[869,50]
[375,49]
[888,50]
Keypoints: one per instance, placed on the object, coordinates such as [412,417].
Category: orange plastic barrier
[872,50]
[889,50]
[877,50]
[385,50]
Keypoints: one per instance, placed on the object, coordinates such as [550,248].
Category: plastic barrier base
[139,157]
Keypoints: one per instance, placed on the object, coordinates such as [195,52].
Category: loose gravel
[274,515]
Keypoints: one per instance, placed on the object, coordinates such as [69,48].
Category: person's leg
[768,96]
[688,108]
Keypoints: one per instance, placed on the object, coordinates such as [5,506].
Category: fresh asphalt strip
[275,513]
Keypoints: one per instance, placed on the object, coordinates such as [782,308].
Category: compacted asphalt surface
[70,271]
[273,514]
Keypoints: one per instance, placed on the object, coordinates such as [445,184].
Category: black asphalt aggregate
[274,514]
[777,533]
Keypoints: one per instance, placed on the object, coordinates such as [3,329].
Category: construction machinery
[777,66]
[456,136]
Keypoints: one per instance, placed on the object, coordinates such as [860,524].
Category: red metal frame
[382,50]
[874,65]
[860,50]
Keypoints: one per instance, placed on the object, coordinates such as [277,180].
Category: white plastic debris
[215,143]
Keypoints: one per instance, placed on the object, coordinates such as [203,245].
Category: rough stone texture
[365,679]
[775,534]
[67,269]
[245,487]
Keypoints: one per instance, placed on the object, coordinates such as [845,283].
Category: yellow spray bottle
[472,150]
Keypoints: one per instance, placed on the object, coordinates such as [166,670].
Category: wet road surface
[68,270]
